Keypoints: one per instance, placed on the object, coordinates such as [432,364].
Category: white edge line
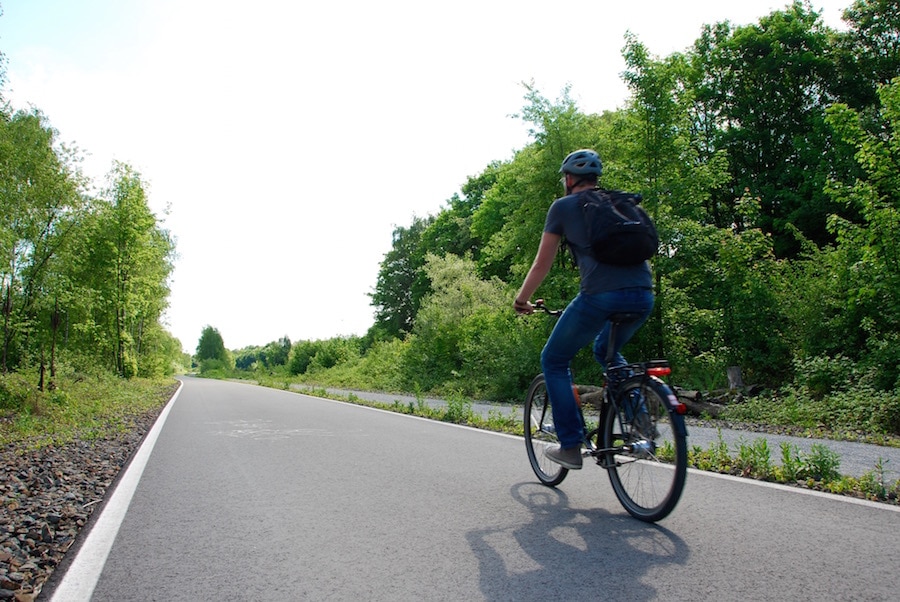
[791,489]
[81,578]
[716,475]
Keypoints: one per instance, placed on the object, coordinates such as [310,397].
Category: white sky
[289,138]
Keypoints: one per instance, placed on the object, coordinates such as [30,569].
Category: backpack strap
[565,241]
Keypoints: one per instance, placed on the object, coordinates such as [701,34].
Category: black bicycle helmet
[582,162]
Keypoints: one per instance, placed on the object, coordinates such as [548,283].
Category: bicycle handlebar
[539,304]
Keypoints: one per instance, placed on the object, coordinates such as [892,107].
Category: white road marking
[81,578]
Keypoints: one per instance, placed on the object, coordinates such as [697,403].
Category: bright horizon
[283,143]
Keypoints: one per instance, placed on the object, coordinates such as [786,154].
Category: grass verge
[81,406]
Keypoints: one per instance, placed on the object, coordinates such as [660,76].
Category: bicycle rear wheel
[648,466]
[540,433]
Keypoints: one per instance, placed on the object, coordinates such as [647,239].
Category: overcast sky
[283,141]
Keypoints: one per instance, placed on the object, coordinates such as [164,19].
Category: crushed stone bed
[47,496]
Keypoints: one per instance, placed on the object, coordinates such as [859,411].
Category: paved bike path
[856,458]
[252,493]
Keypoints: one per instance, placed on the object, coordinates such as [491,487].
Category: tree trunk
[695,404]
[735,381]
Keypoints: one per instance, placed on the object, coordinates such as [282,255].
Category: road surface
[250,493]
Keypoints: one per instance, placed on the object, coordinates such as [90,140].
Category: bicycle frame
[639,417]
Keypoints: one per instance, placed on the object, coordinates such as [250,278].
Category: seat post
[615,320]
[613,327]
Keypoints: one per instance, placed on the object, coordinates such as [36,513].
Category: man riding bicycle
[605,290]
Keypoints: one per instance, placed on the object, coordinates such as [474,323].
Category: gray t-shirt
[565,219]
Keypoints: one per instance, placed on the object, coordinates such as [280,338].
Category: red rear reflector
[681,409]
[665,371]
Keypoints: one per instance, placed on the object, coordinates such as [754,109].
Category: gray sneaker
[567,458]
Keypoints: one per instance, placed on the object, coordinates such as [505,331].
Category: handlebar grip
[539,304]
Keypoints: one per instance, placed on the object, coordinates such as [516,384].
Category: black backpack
[620,231]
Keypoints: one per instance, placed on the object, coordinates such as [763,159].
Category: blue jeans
[586,319]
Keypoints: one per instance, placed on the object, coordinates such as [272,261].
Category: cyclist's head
[584,162]
[585,168]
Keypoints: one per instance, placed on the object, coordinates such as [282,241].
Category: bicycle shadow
[571,553]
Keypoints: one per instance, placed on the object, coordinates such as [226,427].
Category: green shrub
[754,460]
[16,393]
[331,352]
[822,375]
[858,408]
[381,365]
[300,356]
[872,484]
[791,465]
[822,464]
[500,355]
[884,361]
[209,367]
[459,409]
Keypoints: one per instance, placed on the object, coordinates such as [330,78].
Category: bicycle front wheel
[647,457]
[540,434]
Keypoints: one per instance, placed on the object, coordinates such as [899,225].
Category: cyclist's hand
[523,308]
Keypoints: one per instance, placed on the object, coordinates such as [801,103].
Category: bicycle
[637,434]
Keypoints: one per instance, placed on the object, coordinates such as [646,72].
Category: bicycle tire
[647,476]
[540,433]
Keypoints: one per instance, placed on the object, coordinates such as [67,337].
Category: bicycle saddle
[624,317]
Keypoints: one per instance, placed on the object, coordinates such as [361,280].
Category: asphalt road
[259,494]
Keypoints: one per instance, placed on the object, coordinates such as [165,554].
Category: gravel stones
[47,496]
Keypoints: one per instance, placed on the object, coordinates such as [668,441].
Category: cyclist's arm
[543,261]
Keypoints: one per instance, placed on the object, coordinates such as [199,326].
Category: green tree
[123,262]
[766,87]
[302,354]
[401,282]
[451,230]
[662,155]
[870,245]
[276,353]
[40,201]
[211,346]
[248,358]
[511,216]
[2,69]
[868,53]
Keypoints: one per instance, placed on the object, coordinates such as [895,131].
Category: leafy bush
[311,356]
[211,367]
[499,354]
[437,347]
[301,356]
[822,375]
[884,361]
[16,393]
[859,408]
[331,352]
[863,409]
[377,370]
[822,463]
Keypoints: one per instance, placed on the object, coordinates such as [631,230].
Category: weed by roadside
[819,469]
[86,407]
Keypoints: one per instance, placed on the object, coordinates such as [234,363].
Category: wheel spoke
[541,434]
[648,468]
